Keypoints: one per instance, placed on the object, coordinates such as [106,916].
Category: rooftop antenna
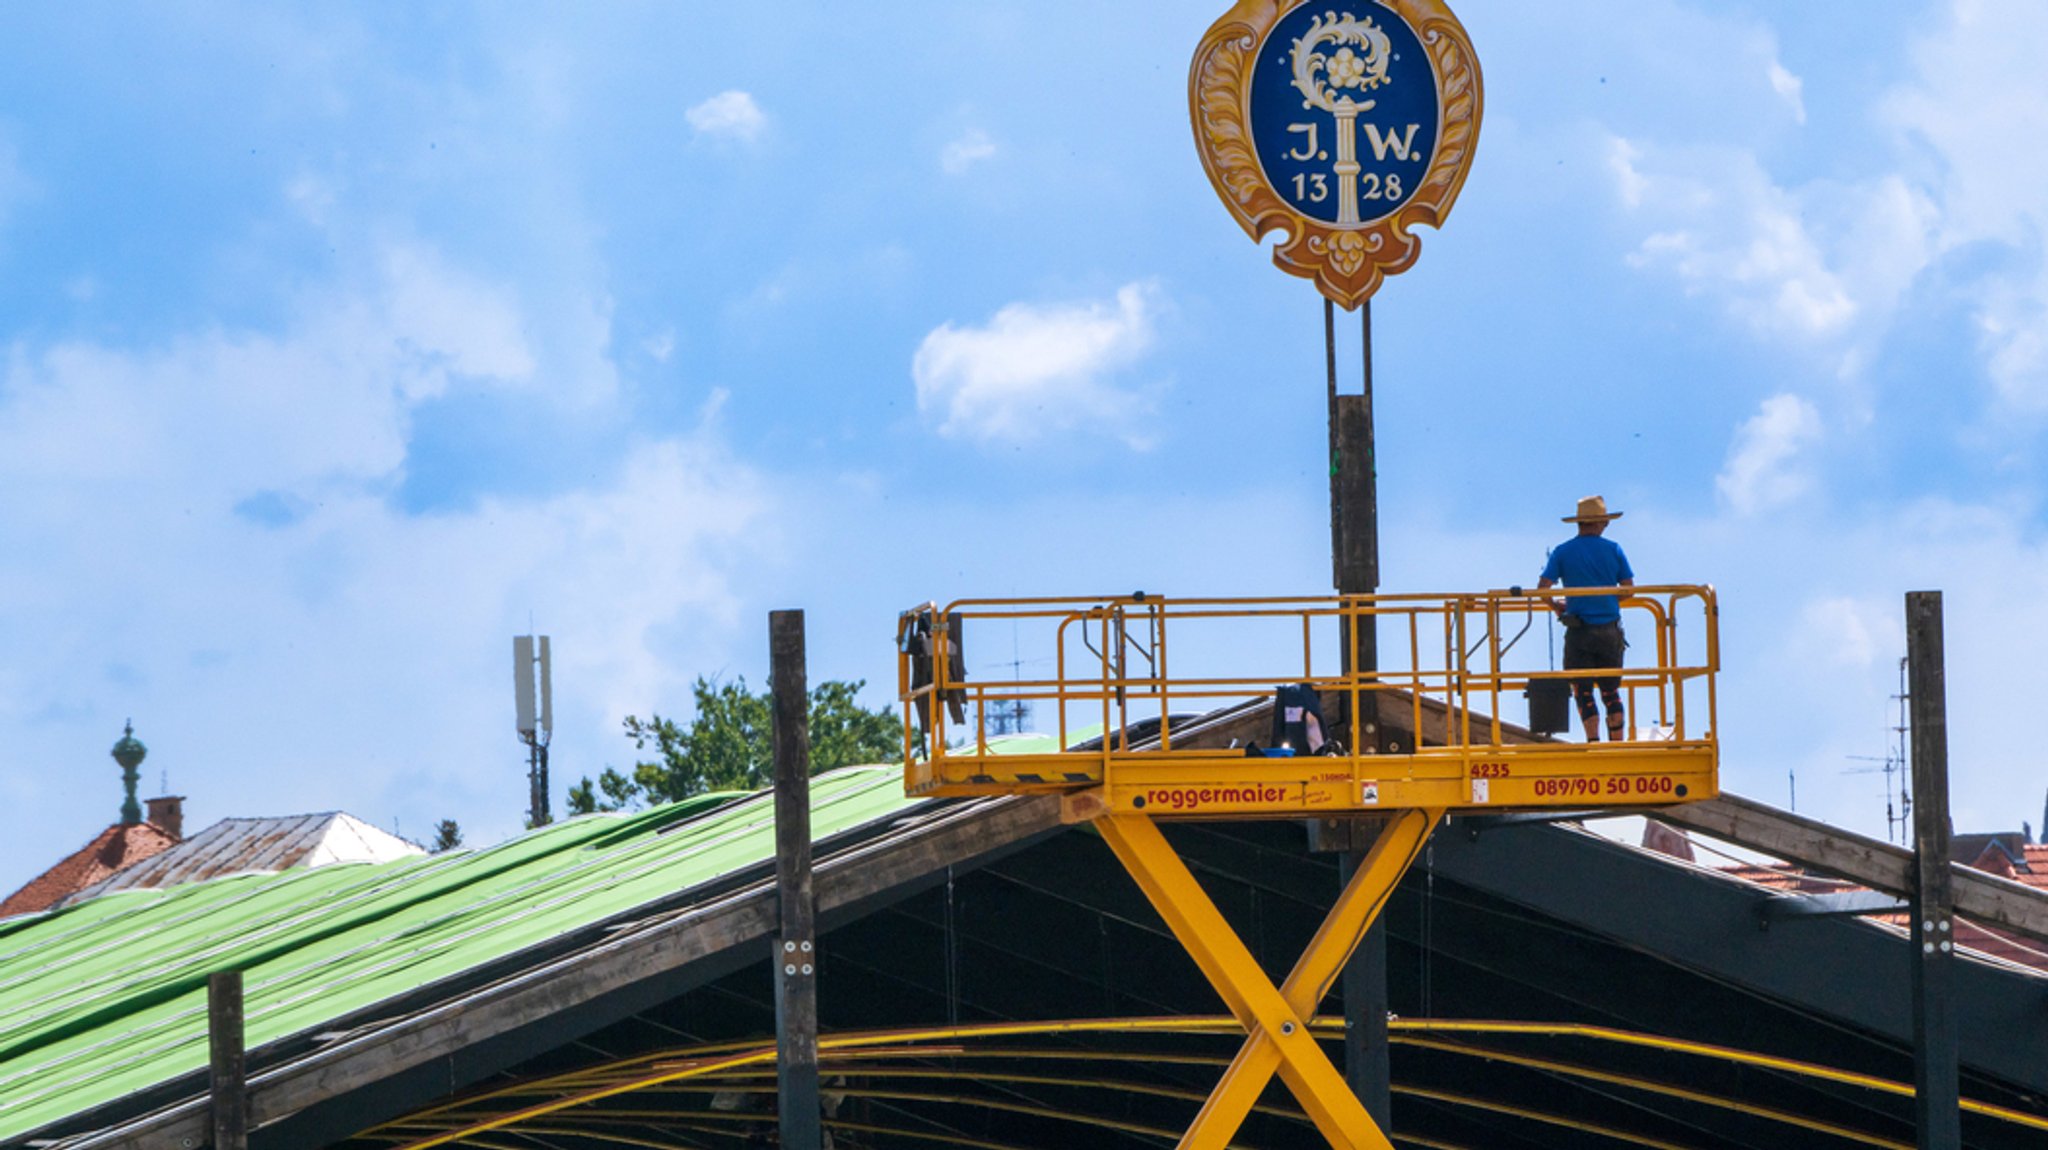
[1009,716]
[1888,763]
[531,679]
[1893,763]
[1898,752]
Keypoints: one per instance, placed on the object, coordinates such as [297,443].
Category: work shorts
[1594,645]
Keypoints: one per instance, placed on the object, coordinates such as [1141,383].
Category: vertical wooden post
[796,952]
[1367,1066]
[1355,560]
[1367,483]
[1354,491]
[1936,1106]
[227,1074]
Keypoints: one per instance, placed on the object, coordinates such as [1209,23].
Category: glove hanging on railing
[917,643]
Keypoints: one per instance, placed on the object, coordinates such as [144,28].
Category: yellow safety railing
[1140,691]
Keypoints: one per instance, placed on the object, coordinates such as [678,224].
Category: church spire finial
[129,753]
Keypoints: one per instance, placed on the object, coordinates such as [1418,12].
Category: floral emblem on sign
[1326,81]
[1341,125]
[1343,68]
[1347,69]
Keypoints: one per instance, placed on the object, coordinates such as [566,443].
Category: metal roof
[107,997]
[237,846]
[1554,989]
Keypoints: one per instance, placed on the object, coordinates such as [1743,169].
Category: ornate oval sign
[1343,123]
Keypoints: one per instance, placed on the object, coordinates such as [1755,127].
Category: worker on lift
[1593,636]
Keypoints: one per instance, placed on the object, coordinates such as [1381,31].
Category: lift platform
[1360,705]
[1162,705]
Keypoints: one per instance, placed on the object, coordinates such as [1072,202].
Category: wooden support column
[796,951]
[1367,1066]
[1936,1087]
[227,1073]
[1354,520]
[1355,563]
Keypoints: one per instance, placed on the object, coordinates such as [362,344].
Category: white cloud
[1763,468]
[1977,92]
[1791,88]
[1037,370]
[1726,230]
[216,417]
[1828,262]
[1839,630]
[1975,102]
[972,147]
[201,534]
[461,324]
[1629,182]
[731,114]
[2013,323]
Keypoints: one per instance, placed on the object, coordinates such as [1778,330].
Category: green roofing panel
[106,998]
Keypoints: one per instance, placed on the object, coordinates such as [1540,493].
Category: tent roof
[107,998]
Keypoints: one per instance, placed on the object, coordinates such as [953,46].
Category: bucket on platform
[1550,706]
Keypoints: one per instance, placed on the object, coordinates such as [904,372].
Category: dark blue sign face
[1344,111]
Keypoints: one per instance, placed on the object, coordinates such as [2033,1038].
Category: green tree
[618,792]
[583,797]
[447,836]
[730,745]
[843,733]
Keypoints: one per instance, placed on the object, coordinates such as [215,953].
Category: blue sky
[340,343]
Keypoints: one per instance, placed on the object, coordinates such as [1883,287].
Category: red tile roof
[116,847]
[2000,944]
[2036,874]
[1993,854]
[1786,878]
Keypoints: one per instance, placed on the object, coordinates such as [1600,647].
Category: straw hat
[1592,509]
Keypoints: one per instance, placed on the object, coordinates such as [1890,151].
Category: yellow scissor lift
[1152,709]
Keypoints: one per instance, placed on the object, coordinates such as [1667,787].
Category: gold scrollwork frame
[1349,262]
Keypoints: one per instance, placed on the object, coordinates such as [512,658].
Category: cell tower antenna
[533,699]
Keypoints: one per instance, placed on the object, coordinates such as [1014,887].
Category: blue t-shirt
[1590,561]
